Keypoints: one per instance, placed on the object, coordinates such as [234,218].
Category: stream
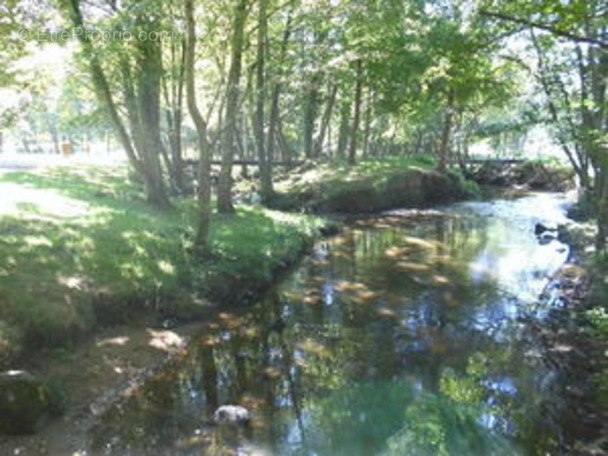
[407,334]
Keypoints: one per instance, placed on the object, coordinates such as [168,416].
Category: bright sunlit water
[404,335]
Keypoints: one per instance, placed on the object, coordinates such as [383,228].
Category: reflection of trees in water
[402,307]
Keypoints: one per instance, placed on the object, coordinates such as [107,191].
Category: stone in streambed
[24,402]
[232,414]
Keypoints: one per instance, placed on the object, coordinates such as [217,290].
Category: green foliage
[437,425]
[366,412]
[470,188]
[598,317]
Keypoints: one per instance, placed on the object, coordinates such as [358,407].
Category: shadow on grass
[116,256]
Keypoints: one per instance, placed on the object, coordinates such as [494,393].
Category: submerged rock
[24,402]
[232,414]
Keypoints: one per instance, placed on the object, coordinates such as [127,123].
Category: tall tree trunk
[368,123]
[310,116]
[325,119]
[244,146]
[352,152]
[286,153]
[174,98]
[204,170]
[343,129]
[224,197]
[149,62]
[273,124]
[265,162]
[445,132]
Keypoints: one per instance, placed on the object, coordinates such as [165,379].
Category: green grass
[80,248]
[368,186]
[336,174]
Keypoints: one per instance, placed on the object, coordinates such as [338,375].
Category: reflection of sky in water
[513,257]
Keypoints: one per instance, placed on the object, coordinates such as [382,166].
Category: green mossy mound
[369,187]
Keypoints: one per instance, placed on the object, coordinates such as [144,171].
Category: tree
[570,43]
[228,133]
[173,91]
[265,160]
[204,171]
[141,93]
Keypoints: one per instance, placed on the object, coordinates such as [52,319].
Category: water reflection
[400,336]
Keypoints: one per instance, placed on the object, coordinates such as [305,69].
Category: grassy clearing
[80,248]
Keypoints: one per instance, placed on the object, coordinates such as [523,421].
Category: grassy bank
[80,248]
[369,186]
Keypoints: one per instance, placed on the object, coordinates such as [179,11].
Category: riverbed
[407,334]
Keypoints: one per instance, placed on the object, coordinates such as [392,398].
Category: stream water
[405,335]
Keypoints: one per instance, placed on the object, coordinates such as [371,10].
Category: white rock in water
[234,414]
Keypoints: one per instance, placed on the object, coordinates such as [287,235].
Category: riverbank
[83,251]
[369,186]
[576,339]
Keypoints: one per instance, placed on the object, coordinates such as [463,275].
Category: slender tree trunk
[224,193]
[244,146]
[174,97]
[277,88]
[368,124]
[285,150]
[343,130]
[445,132]
[266,190]
[204,170]
[310,116]
[325,119]
[352,153]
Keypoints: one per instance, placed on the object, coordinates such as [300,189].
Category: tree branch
[548,28]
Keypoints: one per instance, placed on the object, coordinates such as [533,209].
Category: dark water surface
[405,335]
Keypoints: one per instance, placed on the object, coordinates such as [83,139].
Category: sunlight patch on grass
[81,244]
[19,200]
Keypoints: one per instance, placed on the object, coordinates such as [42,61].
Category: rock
[24,402]
[232,414]
[329,229]
[539,229]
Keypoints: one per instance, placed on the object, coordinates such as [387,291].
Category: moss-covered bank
[369,186]
[80,249]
